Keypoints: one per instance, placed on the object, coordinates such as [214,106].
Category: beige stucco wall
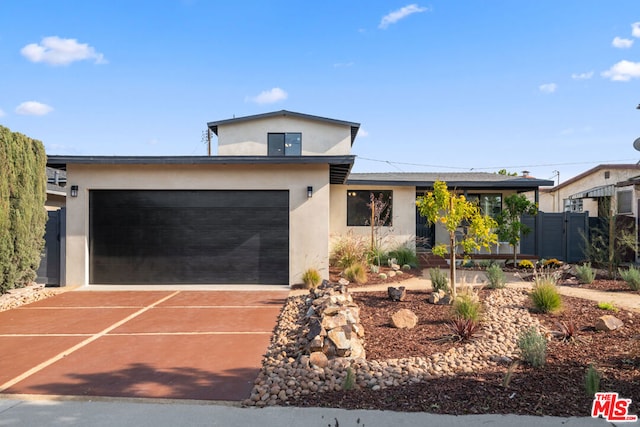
[309,218]
[553,201]
[403,229]
[249,138]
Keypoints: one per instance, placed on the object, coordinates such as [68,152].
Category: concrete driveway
[204,345]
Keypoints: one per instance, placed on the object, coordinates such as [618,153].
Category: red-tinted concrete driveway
[159,344]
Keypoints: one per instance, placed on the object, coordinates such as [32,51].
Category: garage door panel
[189,236]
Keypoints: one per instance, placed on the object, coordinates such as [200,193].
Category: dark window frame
[282,144]
[359,212]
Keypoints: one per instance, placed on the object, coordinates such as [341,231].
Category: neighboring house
[592,190]
[56,191]
[262,211]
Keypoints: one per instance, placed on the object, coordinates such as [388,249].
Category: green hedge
[23,191]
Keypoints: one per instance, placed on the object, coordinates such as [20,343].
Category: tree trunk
[452,264]
[515,256]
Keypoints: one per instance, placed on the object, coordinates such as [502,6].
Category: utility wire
[490,168]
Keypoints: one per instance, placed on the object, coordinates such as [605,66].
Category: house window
[573,205]
[359,207]
[624,202]
[284,144]
[490,204]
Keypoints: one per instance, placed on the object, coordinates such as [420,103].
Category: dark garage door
[180,237]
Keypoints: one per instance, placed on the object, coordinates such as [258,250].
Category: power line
[492,167]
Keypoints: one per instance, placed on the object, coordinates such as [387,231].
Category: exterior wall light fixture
[74,191]
[309,192]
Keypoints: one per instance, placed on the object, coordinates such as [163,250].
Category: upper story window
[490,204]
[285,144]
[359,208]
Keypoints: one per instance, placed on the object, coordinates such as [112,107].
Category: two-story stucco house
[261,211]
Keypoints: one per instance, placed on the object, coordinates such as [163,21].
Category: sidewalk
[141,413]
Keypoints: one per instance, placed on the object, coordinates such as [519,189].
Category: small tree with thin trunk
[510,227]
[456,214]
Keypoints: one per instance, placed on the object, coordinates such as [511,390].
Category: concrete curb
[15,412]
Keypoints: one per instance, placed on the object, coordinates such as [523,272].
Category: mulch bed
[557,389]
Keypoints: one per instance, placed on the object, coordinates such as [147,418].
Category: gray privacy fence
[556,235]
[51,271]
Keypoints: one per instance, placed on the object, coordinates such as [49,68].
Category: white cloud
[548,87]
[623,71]
[269,96]
[582,76]
[362,133]
[2,113]
[33,108]
[621,43]
[399,14]
[635,29]
[56,51]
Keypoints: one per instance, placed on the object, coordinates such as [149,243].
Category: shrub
[631,276]
[566,331]
[404,255]
[22,213]
[585,273]
[311,278]
[356,273]
[347,251]
[545,295]
[592,381]
[383,276]
[439,280]
[525,264]
[467,305]
[486,263]
[533,347]
[495,277]
[406,267]
[609,306]
[349,381]
[464,329]
[377,256]
[551,263]
[468,263]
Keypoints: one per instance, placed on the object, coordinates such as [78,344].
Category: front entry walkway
[204,345]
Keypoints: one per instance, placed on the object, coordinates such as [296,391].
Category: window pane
[293,144]
[490,204]
[624,202]
[359,210]
[276,144]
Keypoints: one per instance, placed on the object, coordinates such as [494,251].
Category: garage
[188,237]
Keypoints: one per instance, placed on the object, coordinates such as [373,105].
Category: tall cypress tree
[24,162]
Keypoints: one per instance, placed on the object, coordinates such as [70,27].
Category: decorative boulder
[435,297]
[404,319]
[319,359]
[397,294]
[608,323]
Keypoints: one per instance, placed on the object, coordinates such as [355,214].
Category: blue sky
[446,85]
